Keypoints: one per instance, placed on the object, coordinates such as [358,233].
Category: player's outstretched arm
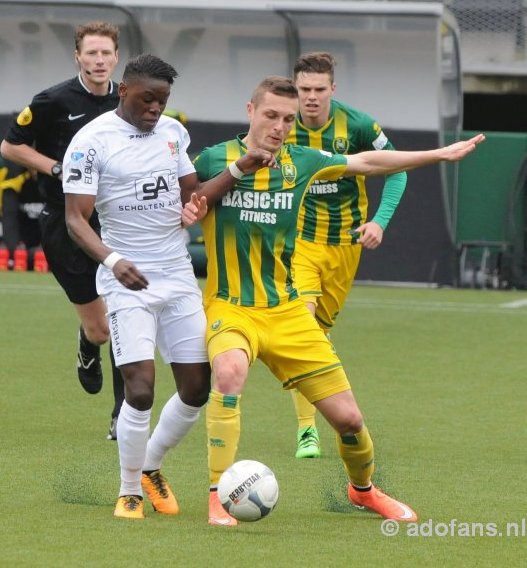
[381,163]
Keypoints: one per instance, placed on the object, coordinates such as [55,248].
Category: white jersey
[135,178]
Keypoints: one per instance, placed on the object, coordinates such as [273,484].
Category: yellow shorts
[286,338]
[323,275]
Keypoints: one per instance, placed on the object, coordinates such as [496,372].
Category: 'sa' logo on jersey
[148,188]
[25,117]
[289,173]
[340,145]
[215,325]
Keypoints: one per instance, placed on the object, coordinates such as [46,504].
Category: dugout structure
[399,61]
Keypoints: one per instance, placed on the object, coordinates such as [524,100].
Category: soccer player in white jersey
[131,164]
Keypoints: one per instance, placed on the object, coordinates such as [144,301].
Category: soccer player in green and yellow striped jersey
[250,234]
[332,225]
[252,307]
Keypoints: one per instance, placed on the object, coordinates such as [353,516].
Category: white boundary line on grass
[411,305]
[29,289]
[515,304]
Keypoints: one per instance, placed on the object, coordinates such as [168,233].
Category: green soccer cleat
[307,443]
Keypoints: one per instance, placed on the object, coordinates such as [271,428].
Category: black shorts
[72,267]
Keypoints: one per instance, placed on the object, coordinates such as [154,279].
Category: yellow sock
[356,452]
[223,432]
[305,411]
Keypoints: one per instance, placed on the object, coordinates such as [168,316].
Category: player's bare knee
[346,421]
[352,424]
[228,385]
[194,395]
[193,382]
[138,384]
[229,379]
[140,398]
[229,375]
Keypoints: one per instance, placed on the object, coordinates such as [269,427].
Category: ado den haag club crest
[289,172]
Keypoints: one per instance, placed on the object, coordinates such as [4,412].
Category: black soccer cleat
[112,433]
[89,368]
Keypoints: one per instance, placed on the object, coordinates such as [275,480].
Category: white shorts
[169,314]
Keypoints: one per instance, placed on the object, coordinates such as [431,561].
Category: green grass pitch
[440,376]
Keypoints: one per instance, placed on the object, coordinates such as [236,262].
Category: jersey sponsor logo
[75,175]
[148,188]
[380,142]
[88,166]
[258,199]
[340,145]
[289,173]
[322,187]
[25,117]
[258,217]
[173,147]
[250,201]
[72,117]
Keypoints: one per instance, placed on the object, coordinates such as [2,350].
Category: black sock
[88,349]
[118,386]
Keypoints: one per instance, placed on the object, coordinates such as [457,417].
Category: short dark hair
[147,65]
[315,62]
[277,85]
[103,29]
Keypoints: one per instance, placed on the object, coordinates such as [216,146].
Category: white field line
[29,289]
[424,306]
[411,305]
[515,304]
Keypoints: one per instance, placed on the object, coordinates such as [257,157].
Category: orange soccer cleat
[377,501]
[158,491]
[217,514]
[129,507]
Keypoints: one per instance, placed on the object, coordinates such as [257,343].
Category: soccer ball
[248,490]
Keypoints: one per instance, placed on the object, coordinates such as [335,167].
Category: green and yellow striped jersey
[331,211]
[250,233]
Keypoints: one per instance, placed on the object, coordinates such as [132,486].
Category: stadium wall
[398,61]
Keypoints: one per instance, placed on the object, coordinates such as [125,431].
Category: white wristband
[111,260]
[235,171]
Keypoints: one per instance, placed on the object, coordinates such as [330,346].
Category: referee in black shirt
[37,139]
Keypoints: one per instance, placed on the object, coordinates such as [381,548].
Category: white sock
[176,419]
[133,428]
